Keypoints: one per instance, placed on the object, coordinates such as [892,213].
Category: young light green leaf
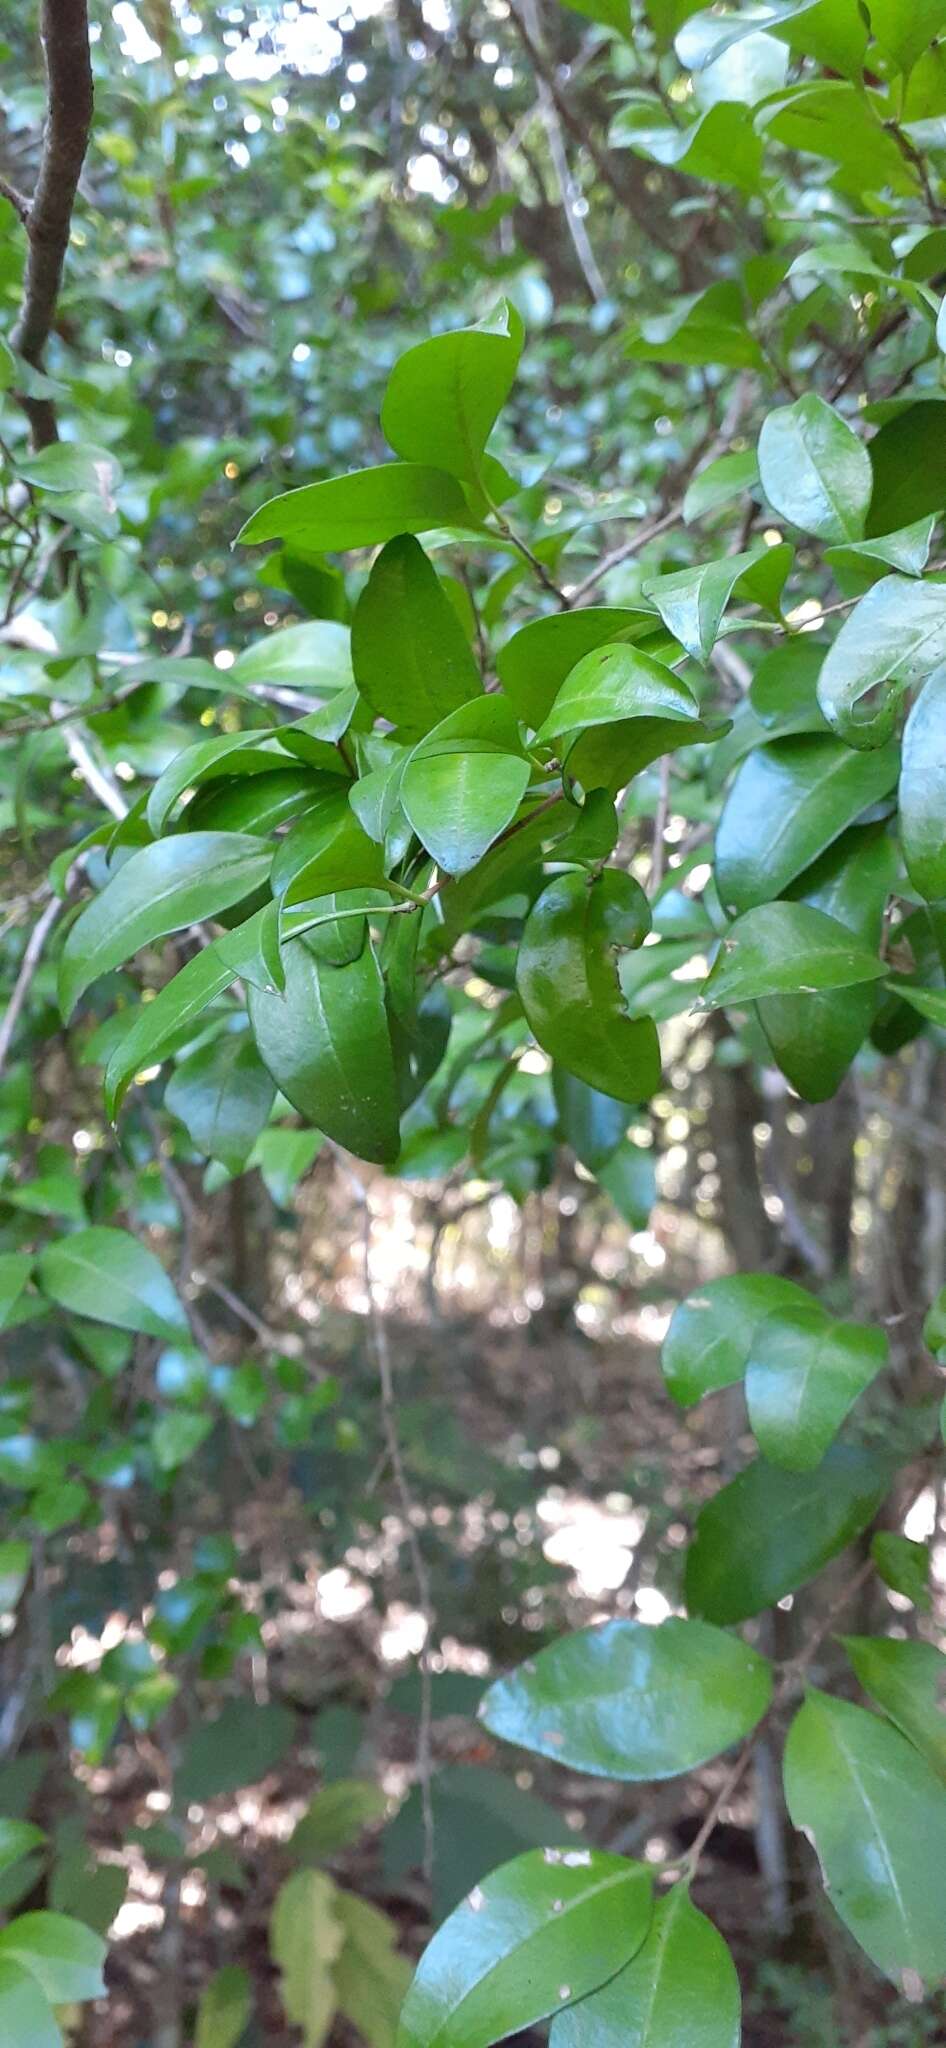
[306,1938]
[720,145]
[444,395]
[15,1269]
[411,658]
[923,789]
[327,1045]
[370,1977]
[877,1817]
[166,886]
[222,1095]
[315,656]
[804,1373]
[785,949]
[108,1276]
[361,509]
[769,1531]
[710,1336]
[539,1932]
[64,1956]
[336,1817]
[788,802]
[569,991]
[908,1680]
[814,469]
[730,476]
[25,2012]
[624,1700]
[892,640]
[464,782]
[679,1991]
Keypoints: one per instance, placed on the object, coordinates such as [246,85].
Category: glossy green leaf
[411,658]
[815,1037]
[922,796]
[893,639]
[877,1817]
[222,1095]
[15,1269]
[464,782]
[306,1939]
[361,509]
[315,656]
[25,2013]
[691,602]
[624,1700]
[539,1932]
[325,850]
[64,1956]
[710,1336]
[679,1991]
[814,469]
[785,949]
[770,1531]
[225,2007]
[615,683]
[153,1026]
[908,1680]
[858,564]
[803,1374]
[166,886]
[327,1046]
[255,803]
[728,477]
[569,991]
[108,1276]
[903,1565]
[720,145]
[241,752]
[444,395]
[788,802]
[533,664]
[709,327]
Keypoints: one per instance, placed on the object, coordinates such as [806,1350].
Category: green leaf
[836,121]
[225,2007]
[711,327]
[243,753]
[464,782]
[533,664]
[64,1957]
[804,1373]
[325,850]
[306,1938]
[903,1565]
[444,395]
[153,1026]
[785,949]
[370,1978]
[541,1931]
[15,1269]
[327,1046]
[908,1680]
[630,1181]
[568,988]
[903,29]
[922,796]
[108,1276]
[720,146]
[592,1124]
[710,1336]
[336,1817]
[72,466]
[729,477]
[769,1531]
[890,642]
[241,1745]
[315,656]
[177,1437]
[691,602]
[908,458]
[814,469]
[222,1095]
[877,1817]
[17,1839]
[481,1818]
[411,658]
[25,2014]
[679,1991]
[815,1038]
[860,563]
[161,889]
[788,802]
[361,509]
[624,1700]
[616,683]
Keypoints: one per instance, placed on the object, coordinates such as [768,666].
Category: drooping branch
[65,34]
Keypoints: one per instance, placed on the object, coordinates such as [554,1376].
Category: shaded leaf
[108,1276]
[769,1531]
[569,990]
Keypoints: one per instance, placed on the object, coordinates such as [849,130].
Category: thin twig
[32,956]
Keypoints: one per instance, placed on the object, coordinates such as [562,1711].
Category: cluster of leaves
[402,847]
